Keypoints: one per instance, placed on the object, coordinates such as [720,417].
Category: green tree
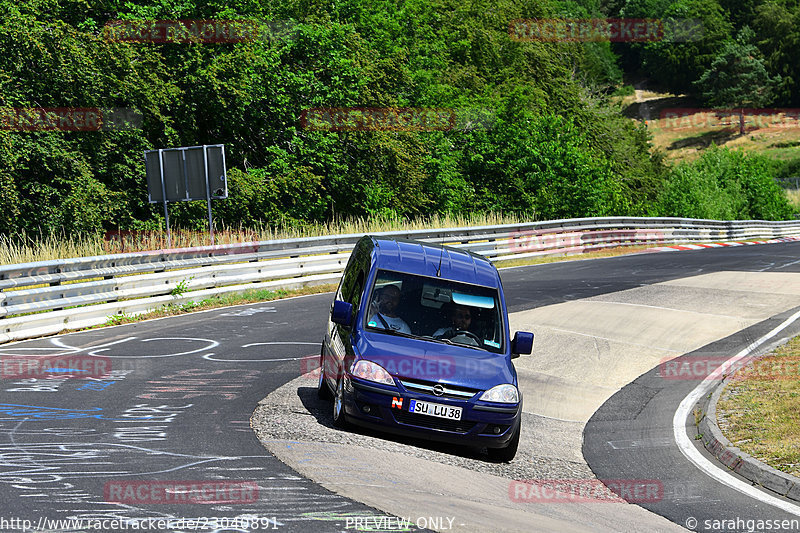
[777,28]
[684,54]
[737,78]
[594,61]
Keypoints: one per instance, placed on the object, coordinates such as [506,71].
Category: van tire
[323,391]
[339,417]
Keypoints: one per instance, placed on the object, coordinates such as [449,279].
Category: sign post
[185,174]
[164,195]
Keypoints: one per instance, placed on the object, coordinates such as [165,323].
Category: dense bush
[724,185]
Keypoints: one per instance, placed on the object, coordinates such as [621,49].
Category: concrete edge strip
[736,460]
[693,454]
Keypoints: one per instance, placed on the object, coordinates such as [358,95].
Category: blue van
[417,344]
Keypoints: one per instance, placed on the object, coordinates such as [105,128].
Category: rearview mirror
[522,344]
[342,313]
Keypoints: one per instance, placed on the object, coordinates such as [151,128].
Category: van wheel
[323,392]
[339,418]
[505,455]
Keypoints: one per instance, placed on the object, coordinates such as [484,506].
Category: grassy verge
[759,410]
[794,199]
[226,300]
[25,248]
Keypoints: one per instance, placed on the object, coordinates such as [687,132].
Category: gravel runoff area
[293,412]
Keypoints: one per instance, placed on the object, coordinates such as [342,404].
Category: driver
[460,317]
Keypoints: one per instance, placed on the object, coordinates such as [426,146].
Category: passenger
[386,317]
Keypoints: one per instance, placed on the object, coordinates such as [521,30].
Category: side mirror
[522,344]
[342,313]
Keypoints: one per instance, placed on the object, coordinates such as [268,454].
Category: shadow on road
[322,411]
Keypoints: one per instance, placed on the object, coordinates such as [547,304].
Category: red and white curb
[679,247]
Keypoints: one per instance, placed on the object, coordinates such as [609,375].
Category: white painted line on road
[208,357]
[572,332]
[693,454]
[705,313]
[640,443]
[553,417]
[278,342]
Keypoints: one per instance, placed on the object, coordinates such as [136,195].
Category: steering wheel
[469,335]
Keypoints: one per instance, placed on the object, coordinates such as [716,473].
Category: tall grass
[794,199]
[24,248]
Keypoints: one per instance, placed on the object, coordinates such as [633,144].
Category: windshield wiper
[395,332]
[428,338]
[434,339]
[451,343]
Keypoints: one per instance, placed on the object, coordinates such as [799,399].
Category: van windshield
[435,310]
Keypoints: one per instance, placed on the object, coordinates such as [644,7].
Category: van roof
[424,258]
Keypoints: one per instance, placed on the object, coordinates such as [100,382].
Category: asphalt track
[631,437]
[177,405]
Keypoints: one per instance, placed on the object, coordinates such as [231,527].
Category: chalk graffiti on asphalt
[225,384]
[121,348]
[11,411]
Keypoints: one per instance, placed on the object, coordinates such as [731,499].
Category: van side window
[348,280]
[352,283]
[358,288]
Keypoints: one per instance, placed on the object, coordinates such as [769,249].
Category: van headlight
[506,393]
[372,372]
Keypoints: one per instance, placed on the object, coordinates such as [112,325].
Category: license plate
[434,409]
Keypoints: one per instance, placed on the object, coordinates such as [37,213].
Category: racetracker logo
[605,30]
[581,241]
[193,31]
[50,367]
[377,119]
[309,366]
[586,491]
[686,118]
[699,368]
[69,119]
[155,492]
[431,368]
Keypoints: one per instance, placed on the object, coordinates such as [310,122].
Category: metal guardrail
[46,297]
